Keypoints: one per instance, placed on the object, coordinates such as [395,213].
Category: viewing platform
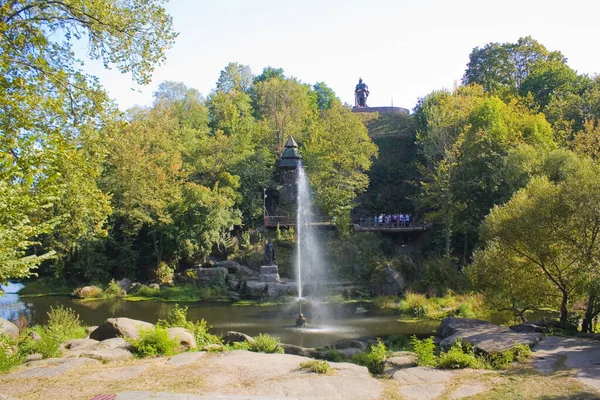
[382,110]
[369,226]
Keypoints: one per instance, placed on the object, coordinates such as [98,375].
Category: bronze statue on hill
[361,93]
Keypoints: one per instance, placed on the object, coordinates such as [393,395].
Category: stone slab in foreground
[485,336]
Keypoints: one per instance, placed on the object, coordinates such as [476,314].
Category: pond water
[327,323]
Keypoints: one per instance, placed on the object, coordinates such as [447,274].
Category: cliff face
[394,175]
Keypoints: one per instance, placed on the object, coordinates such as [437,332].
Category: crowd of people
[393,220]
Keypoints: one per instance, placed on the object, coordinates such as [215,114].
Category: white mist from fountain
[310,269]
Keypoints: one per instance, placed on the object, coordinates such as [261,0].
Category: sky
[402,49]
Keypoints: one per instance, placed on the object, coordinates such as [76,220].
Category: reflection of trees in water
[12,311]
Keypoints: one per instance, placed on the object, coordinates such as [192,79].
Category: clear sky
[402,49]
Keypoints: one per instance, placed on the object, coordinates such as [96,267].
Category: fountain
[309,264]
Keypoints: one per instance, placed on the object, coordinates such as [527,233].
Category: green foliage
[63,324]
[458,357]
[183,293]
[164,273]
[52,142]
[177,317]
[264,343]
[425,351]
[10,357]
[419,305]
[45,286]
[317,367]
[373,359]
[398,342]
[113,290]
[154,342]
[333,355]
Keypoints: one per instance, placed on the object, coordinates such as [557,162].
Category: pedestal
[269,273]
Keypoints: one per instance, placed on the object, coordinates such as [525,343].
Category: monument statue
[269,253]
[361,93]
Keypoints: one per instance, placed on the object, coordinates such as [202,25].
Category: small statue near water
[269,253]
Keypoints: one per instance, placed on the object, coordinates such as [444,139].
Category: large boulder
[119,327]
[80,344]
[232,266]
[183,337]
[9,329]
[125,284]
[134,288]
[300,351]
[204,276]
[87,291]
[233,282]
[281,289]
[231,337]
[256,289]
[484,336]
[393,284]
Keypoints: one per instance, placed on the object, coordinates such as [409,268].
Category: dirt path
[581,357]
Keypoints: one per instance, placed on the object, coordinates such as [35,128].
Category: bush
[67,322]
[63,324]
[374,359]
[177,317]
[458,357]
[264,343]
[519,353]
[414,304]
[333,355]
[425,350]
[113,290]
[154,342]
[384,302]
[164,273]
[317,366]
[9,356]
[398,342]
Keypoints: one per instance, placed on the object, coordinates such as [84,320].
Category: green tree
[502,68]
[54,117]
[326,97]
[287,107]
[338,153]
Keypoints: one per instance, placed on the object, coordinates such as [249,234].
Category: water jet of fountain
[309,268]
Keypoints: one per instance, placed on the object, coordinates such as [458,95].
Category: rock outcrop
[119,327]
[9,329]
[484,336]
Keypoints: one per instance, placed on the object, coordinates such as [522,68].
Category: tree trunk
[586,326]
[563,310]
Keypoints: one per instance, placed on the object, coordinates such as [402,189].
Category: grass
[154,342]
[421,306]
[317,367]
[462,355]
[374,359]
[180,294]
[45,286]
[264,343]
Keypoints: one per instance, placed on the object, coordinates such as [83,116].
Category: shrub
[9,356]
[519,353]
[164,273]
[333,355]
[414,304]
[398,342]
[178,317]
[459,357]
[264,343]
[65,323]
[425,350]
[154,342]
[383,302]
[317,366]
[113,290]
[374,359]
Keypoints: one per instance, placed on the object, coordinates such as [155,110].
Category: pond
[327,323]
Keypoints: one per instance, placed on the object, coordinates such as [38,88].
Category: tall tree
[47,102]
[338,153]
